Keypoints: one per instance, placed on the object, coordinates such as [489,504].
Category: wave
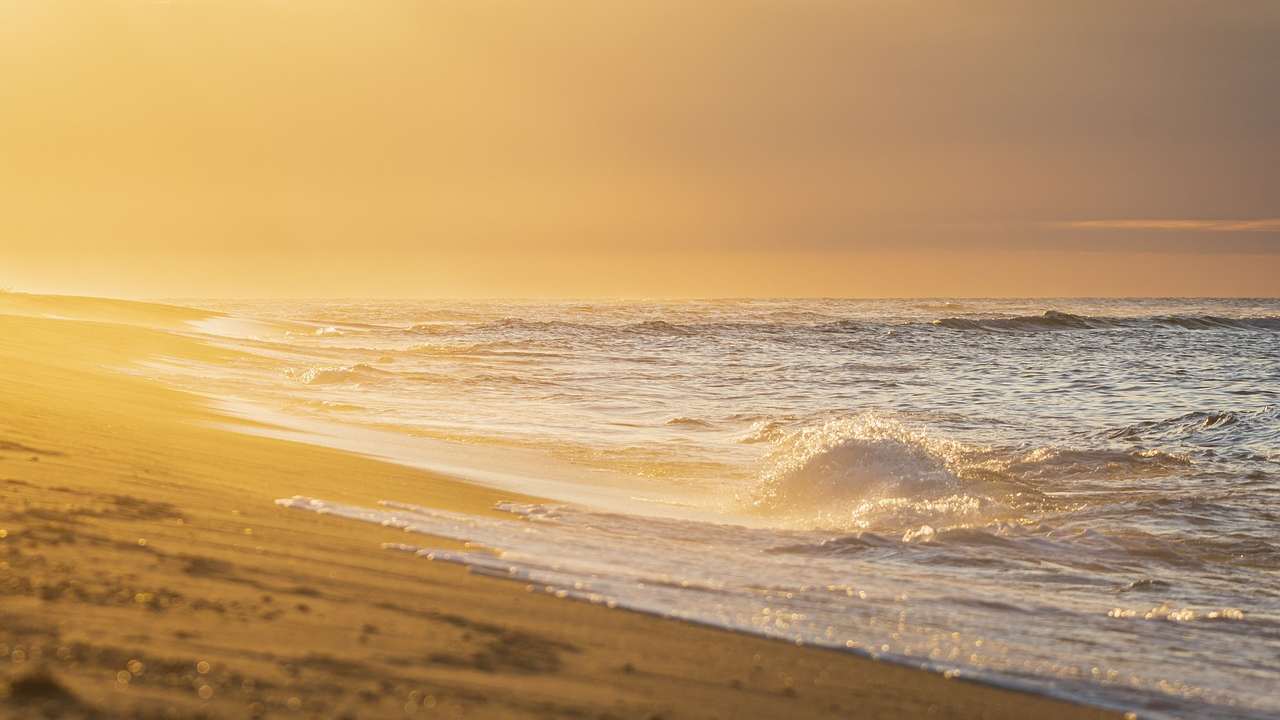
[330,375]
[496,380]
[1214,434]
[790,329]
[1213,322]
[454,315]
[765,430]
[1055,320]
[689,422]
[874,472]
[840,326]
[661,327]
[641,328]
[843,546]
[796,316]
[351,325]
[1187,424]
[438,328]
[1058,464]
[864,471]
[323,331]
[501,348]
[1062,542]
[1050,320]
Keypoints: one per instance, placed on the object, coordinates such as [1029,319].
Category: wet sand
[146,572]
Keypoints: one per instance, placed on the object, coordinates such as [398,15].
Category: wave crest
[864,471]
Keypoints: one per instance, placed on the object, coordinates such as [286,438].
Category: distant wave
[1055,320]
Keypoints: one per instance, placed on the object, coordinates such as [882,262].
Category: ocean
[1080,498]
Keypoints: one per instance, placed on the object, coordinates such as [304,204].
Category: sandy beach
[146,572]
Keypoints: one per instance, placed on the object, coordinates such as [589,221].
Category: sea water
[1076,497]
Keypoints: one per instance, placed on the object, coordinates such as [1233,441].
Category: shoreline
[501,469]
[146,570]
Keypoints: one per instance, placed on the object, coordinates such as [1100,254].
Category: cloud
[1259,225]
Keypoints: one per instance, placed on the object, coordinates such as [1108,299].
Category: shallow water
[1078,497]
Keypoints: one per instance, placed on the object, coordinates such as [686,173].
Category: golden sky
[639,148]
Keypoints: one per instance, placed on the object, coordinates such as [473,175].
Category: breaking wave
[875,472]
[866,471]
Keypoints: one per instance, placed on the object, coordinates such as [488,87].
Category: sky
[438,148]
